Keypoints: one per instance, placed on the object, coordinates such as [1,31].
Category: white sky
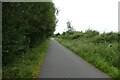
[100,15]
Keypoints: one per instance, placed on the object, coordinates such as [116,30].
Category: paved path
[62,63]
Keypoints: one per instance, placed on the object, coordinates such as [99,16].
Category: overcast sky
[100,15]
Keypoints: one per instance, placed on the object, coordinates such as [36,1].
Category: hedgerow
[25,25]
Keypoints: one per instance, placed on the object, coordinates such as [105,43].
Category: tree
[70,28]
[25,25]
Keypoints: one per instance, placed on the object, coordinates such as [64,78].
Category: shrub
[90,33]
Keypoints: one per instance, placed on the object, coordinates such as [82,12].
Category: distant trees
[56,35]
[70,28]
[24,25]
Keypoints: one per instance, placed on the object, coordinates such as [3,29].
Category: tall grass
[26,65]
[103,55]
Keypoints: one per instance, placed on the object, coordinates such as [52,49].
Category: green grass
[100,55]
[27,65]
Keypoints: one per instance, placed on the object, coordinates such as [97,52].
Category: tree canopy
[26,24]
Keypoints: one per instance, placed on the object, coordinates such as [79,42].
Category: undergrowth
[26,65]
[102,56]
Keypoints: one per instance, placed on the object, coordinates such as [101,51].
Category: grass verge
[101,55]
[26,65]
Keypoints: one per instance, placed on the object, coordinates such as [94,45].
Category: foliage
[106,37]
[24,26]
[26,65]
[77,35]
[100,50]
[56,35]
[91,33]
[70,28]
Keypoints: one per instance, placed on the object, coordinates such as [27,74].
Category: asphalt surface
[60,62]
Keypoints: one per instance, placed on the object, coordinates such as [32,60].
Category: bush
[77,35]
[108,37]
[90,33]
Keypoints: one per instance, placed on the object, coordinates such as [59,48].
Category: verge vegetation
[101,50]
[26,65]
[26,30]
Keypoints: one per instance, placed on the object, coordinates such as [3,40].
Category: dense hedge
[24,25]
